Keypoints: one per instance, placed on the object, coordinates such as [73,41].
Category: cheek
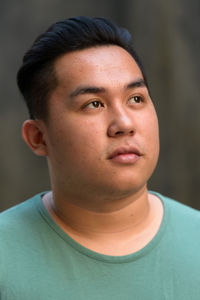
[153,128]
[76,140]
[151,132]
[154,144]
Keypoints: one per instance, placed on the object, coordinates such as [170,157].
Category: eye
[94,104]
[136,99]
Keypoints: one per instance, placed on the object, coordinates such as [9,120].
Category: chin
[123,188]
[127,183]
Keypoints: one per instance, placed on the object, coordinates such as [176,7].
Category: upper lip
[124,150]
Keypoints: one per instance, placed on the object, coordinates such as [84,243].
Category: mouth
[125,155]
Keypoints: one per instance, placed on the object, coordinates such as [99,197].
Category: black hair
[36,77]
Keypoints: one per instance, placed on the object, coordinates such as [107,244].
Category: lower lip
[125,158]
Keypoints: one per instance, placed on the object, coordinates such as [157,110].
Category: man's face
[102,129]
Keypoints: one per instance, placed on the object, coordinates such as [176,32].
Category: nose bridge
[121,121]
[122,114]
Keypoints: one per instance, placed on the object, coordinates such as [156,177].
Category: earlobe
[33,136]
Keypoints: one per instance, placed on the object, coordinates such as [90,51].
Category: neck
[139,216]
[116,215]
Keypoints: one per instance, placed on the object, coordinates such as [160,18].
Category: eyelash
[95,101]
[139,100]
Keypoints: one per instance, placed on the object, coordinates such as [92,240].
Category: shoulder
[19,219]
[19,225]
[181,239]
[182,221]
[18,211]
[181,211]
[177,209]
[20,228]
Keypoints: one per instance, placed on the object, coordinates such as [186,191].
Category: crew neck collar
[98,256]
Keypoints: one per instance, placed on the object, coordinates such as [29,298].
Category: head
[92,115]
[37,79]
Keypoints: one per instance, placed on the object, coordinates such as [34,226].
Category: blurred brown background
[166,35]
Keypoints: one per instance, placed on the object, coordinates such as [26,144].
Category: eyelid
[142,97]
[91,101]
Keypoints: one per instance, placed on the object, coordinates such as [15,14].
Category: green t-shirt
[39,261]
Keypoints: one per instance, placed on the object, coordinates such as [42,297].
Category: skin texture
[99,109]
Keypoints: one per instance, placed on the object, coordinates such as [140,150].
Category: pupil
[96,104]
[137,99]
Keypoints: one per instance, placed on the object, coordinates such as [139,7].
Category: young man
[99,234]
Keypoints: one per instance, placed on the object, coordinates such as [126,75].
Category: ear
[33,135]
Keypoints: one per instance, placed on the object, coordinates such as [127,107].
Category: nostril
[119,133]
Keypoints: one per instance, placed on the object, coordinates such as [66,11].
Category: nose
[122,124]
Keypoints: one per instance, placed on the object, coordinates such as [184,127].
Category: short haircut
[36,77]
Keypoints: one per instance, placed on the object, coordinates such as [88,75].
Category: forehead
[97,65]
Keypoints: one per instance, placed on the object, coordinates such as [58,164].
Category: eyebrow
[81,90]
[137,83]
[87,90]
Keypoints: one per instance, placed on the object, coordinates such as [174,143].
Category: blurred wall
[166,34]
